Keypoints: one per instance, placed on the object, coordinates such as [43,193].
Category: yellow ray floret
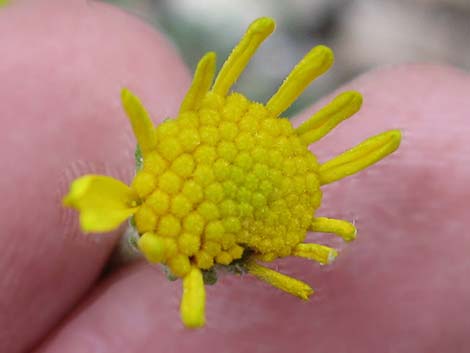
[104,203]
[360,157]
[193,302]
[285,283]
[258,31]
[344,229]
[320,253]
[140,120]
[201,83]
[315,63]
[322,122]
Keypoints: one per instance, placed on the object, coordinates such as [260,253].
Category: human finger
[62,66]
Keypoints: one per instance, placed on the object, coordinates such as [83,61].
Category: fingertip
[63,66]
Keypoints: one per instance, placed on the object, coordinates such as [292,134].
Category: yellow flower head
[228,182]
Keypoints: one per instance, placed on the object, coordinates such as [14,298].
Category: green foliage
[209,276]
[139,160]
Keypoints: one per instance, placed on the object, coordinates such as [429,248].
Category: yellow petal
[201,83]
[142,125]
[360,157]
[258,31]
[315,63]
[193,302]
[320,253]
[285,283]
[322,122]
[344,229]
[103,220]
[103,202]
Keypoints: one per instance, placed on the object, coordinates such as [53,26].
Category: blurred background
[364,34]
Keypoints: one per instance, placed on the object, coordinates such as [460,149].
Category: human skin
[402,286]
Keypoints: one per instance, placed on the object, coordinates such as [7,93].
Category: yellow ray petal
[285,283]
[201,83]
[193,302]
[256,33]
[344,229]
[322,122]
[142,125]
[315,63]
[360,157]
[99,220]
[103,202]
[320,253]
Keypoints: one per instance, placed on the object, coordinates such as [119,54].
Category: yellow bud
[236,252]
[179,265]
[171,248]
[183,165]
[205,154]
[145,219]
[208,210]
[188,243]
[188,119]
[192,191]
[228,130]
[214,192]
[194,223]
[208,117]
[244,161]
[169,226]
[189,139]
[180,206]
[154,163]
[227,150]
[245,141]
[235,107]
[159,202]
[204,175]
[144,183]
[228,240]
[228,208]
[211,247]
[232,224]
[152,246]
[223,258]
[204,260]
[221,169]
[169,148]
[209,135]
[169,182]
[168,128]
[214,231]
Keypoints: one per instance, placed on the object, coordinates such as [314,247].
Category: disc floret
[243,180]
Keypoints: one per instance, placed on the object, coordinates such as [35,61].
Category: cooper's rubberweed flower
[229,182]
